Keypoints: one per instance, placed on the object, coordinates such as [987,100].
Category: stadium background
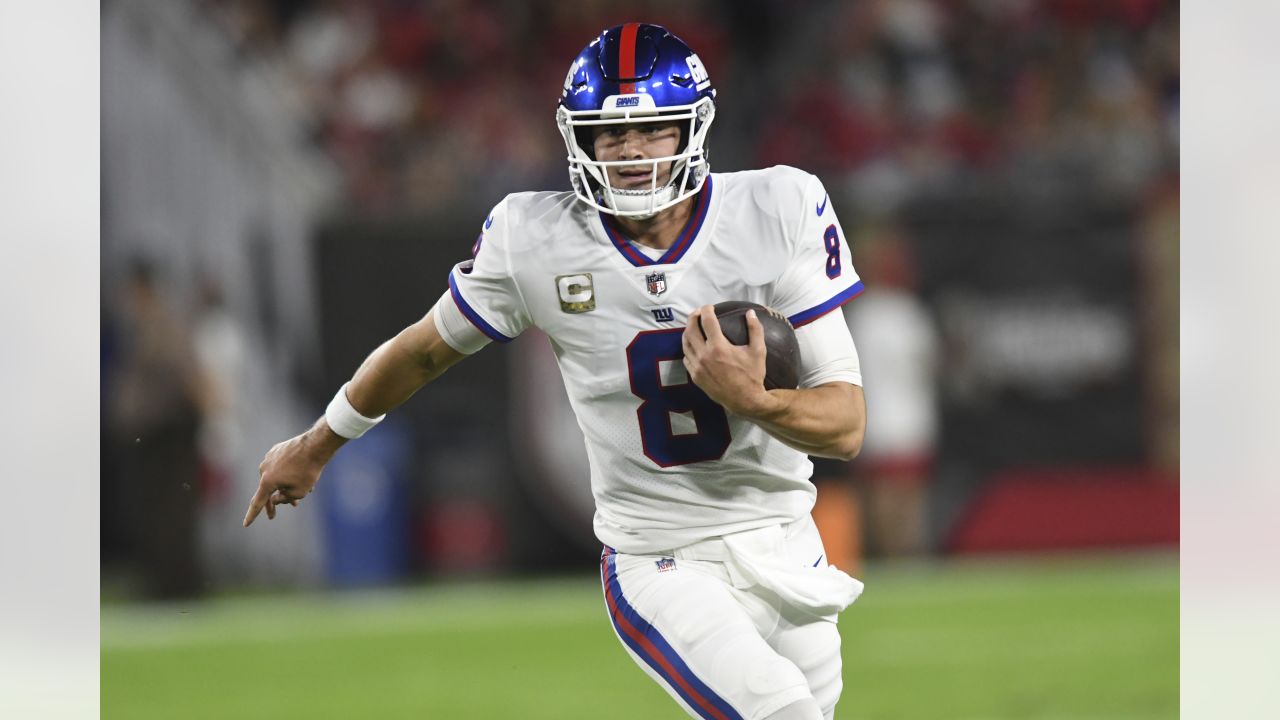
[297,177]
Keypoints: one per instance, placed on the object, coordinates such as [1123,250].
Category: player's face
[640,142]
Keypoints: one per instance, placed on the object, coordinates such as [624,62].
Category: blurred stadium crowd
[420,102]
[978,141]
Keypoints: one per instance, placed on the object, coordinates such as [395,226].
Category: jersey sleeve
[819,276]
[484,294]
[827,352]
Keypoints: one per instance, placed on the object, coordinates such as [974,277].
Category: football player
[714,576]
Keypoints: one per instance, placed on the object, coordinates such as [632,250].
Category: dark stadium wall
[469,511]
[1036,290]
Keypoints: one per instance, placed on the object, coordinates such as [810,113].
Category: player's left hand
[732,375]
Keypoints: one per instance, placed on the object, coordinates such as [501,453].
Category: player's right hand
[731,375]
[291,469]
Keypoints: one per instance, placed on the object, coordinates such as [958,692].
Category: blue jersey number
[831,239]
[661,445]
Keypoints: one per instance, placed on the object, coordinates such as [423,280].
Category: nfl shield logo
[656,283]
[666,564]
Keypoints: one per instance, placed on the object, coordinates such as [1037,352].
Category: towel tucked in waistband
[761,557]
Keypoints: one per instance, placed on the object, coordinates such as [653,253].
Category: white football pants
[722,646]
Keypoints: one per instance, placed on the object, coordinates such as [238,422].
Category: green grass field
[1080,638]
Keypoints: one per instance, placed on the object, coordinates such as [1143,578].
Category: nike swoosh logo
[489,221]
[823,207]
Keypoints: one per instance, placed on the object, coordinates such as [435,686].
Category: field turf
[1092,638]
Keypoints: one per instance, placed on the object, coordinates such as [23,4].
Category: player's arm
[827,420]
[387,378]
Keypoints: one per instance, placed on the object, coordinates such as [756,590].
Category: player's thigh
[813,646]
[685,627]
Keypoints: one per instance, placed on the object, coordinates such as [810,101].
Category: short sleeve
[827,352]
[484,288]
[820,276]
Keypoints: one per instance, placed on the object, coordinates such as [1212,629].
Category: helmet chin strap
[631,201]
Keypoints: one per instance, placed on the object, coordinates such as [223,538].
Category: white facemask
[590,177]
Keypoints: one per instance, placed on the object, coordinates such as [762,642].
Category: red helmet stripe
[627,57]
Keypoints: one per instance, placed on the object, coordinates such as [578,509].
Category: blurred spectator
[157,402]
[333,35]
[898,346]
[1158,266]
[220,348]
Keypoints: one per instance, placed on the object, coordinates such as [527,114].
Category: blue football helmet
[636,73]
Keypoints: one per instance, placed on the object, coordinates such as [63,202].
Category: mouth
[634,179]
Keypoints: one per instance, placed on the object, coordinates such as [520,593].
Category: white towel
[761,557]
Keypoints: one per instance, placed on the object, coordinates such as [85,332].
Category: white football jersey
[669,466]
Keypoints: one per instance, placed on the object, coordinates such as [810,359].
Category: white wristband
[345,420]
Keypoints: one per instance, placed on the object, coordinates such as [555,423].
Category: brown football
[782,361]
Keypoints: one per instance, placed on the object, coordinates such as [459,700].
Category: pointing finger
[255,506]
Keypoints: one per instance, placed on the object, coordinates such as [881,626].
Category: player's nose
[633,144]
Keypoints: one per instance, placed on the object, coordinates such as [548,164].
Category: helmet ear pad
[587,144]
[585,141]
